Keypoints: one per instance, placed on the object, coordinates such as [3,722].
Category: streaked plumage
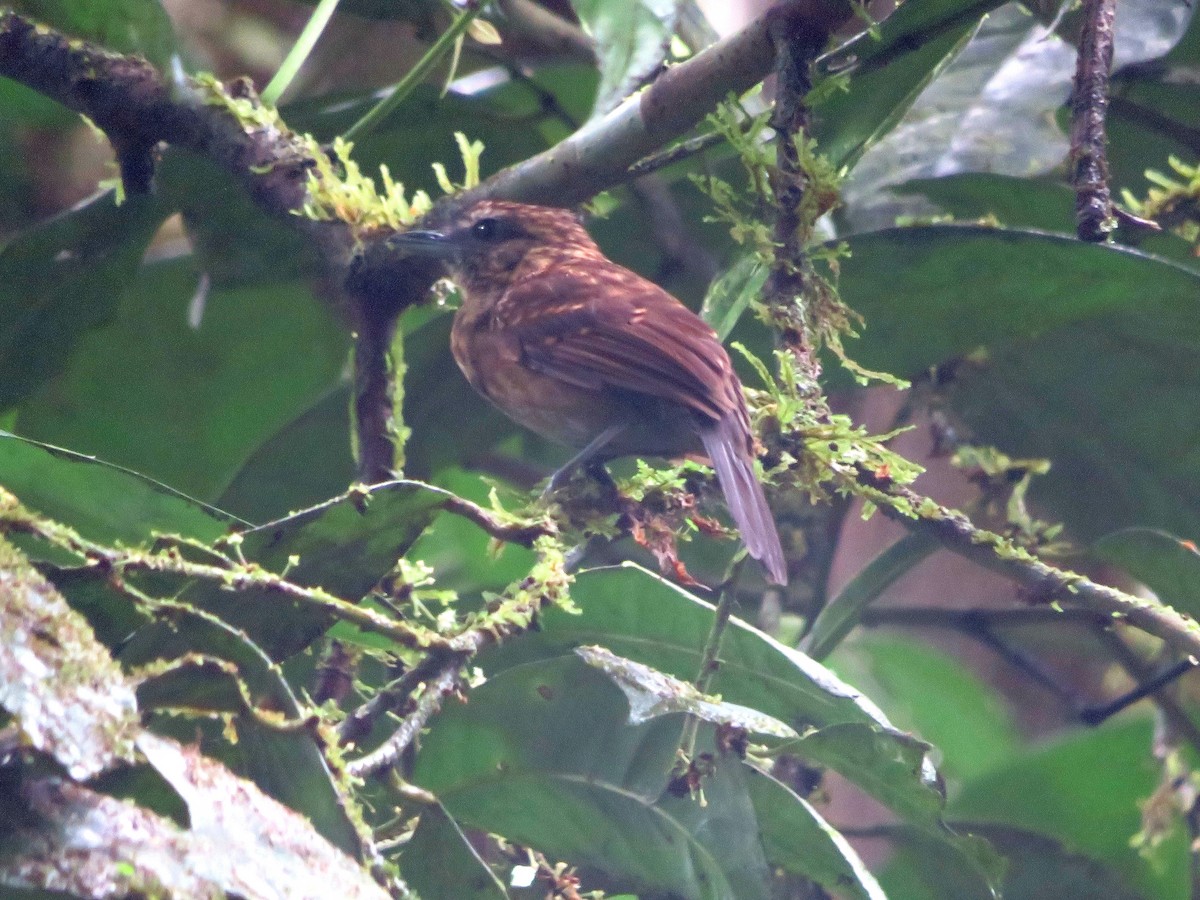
[574,346]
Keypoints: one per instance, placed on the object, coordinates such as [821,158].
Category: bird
[592,355]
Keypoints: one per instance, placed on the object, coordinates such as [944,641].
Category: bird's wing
[599,325]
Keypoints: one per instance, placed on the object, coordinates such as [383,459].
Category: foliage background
[187,337]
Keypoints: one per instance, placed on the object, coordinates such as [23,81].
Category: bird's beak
[424,243]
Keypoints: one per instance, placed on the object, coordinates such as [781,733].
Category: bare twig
[1150,683]
[1089,104]
[681,151]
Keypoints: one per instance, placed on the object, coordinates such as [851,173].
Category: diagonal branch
[1043,582]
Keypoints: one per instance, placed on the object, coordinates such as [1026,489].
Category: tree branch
[1044,583]
[599,155]
[1089,105]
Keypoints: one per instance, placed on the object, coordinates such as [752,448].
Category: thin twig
[393,696]
[709,655]
[1094,219]
[676,153]
[1150,684]
[109,562]
[445,682]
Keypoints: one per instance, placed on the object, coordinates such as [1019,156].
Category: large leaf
[1053,791]
[1070,332]
[188,405]
[63,279]
[889,71]
[439,862]
[642,617]
[303,463]
[798,840]
[543,755]
[102,501]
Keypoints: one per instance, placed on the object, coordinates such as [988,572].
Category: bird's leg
[583,457]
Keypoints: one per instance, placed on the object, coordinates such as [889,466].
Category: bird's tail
[726,444]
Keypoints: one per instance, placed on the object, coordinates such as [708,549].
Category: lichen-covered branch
[1043,583]
[114,563]
[1089,106]
[437,688]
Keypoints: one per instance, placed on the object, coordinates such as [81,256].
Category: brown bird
[592,355]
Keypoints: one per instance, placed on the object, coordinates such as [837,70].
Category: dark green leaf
[303,463]
[1070,334]
[544,755]
[642,617]
[1167,565]
[103,502]
[189,404]
[439,862]
[63,279]
[345,546]
[1014,202]
[798,840]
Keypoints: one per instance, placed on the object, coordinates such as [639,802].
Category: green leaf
[127,26]
[1164,563]
[63,279]
[1014,202]
[642,617]
[936,696]
[189,404]
[439,862]
[544,755]
[842,613]
[303,463]
[1054,791]
[732,293]
[914,44]
[344,545]
[1067,337]
[103,502]
[798,840]
[632,40]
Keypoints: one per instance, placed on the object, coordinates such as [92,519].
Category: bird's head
[489,239]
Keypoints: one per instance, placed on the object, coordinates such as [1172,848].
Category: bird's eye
[486,229]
